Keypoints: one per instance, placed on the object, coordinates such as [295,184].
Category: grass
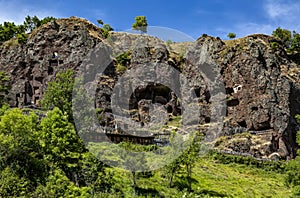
[210,179]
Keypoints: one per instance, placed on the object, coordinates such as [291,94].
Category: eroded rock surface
[260,84]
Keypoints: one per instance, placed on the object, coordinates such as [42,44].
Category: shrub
[106,30]
[123,60]
[140,24]
[274,45]
[231,35]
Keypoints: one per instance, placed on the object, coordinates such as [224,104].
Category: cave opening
[242,124]
[156,93]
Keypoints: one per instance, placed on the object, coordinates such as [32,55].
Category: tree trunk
[189,172]
[134,180]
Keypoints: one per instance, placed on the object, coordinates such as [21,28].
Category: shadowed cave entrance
[143,96]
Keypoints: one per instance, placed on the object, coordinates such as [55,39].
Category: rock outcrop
[261,83]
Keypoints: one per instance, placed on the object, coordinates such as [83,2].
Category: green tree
[99,21]
[140,24]
[60,143]
[31,22]
[47,20]
[19,146]
[4,87]
[189,158]
[11,185]
[284,35]
[134,160]
[123,60]
[7,31]
[58,185]
[59,93]
[106,28]
[231,35]
[293,168]
[298,133]
[171,169]
[295,42]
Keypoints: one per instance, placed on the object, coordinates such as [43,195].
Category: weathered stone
[261,85]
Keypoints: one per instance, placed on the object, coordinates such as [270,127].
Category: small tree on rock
[140,24]
[100,21]
[106,29]
[231,35]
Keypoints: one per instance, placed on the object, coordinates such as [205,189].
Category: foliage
[46,158]
[231,35]
[140,24]
[123,60]
[100,22]
[11,185]
[59,93]
[293,172]
[106,28]
[58,185]
[210,179]
[293,169]
[60,143]
[9,30]
[18,143]
[31,23]
[276,166]
[291,40]
[298,133]
[274,45]
[4,86]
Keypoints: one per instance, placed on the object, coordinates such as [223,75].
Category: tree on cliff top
[140,24]
[231,35]
[291,40]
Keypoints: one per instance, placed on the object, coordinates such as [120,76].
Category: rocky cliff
[260,81]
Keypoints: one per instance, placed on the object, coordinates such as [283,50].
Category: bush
[140,24]
[123,60]
[274,45]
[231,35]
[106,30]
[293,172]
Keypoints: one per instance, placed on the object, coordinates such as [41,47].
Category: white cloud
[279,13]
[283,13]
[16,11]
[278,9]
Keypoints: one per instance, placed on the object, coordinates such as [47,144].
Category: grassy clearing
[211,179]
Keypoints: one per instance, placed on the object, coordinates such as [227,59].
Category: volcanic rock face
[33,65]
[260,84]
[258,92]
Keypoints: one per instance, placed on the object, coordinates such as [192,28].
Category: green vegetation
[123,60]
[99,21]
[42,154]
[8,30]
[293,169]
[106,28]
[140,24]
[44,157]
[291,40]
[231,35]
[4,86]
[210,178]
[59,93]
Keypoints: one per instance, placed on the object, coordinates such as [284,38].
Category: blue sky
[194,17]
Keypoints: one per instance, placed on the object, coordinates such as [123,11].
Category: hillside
[137,94]
[261,82]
